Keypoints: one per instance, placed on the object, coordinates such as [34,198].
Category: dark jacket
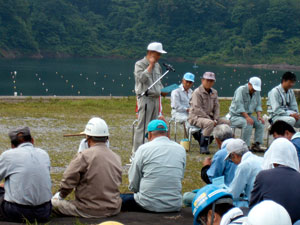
[281,185]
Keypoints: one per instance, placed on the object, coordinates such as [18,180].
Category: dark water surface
[104,77]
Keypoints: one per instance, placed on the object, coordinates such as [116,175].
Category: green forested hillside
[212,31]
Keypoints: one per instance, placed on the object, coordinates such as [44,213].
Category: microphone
[169,67]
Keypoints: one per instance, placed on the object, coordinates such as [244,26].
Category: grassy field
[50,119]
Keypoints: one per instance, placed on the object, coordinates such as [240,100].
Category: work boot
[256,147]
[204,145]
[197,135]
[211,139]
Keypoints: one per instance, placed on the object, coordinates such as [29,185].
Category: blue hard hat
[189,77]
[156,125]
[205,197]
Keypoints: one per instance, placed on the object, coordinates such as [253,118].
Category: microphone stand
[145,93]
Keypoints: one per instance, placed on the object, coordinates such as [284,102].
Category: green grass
[50,119]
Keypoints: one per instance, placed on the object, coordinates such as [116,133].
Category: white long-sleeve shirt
[180,99]
[156,174]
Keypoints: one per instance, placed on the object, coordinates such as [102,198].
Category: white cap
[96,127]
[235,145]
[268,213]
[256,83]
[156,47]
[209,76]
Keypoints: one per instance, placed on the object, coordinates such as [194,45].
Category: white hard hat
[96,127]
[156,47]
[268,213]
[256,83]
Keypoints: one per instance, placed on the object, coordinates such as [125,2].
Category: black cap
[13,134]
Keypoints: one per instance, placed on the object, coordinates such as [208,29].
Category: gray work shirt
[156,174]
[180,99]
[281,103]
[26,171]
[243,102]
[143,79]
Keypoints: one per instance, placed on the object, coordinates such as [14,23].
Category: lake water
[104,77]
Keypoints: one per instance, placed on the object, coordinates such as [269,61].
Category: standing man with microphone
[146,72]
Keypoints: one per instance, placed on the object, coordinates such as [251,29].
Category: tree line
[211,31]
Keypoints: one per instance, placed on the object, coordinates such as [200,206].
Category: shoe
[211,139]
[197,135]
[204,145]
[256,147]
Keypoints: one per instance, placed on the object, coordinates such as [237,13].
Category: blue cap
[206,196]
[189,77]
[156,125]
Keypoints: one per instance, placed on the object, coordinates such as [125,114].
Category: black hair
[98,139]
[280,127]
[220,209]
[21,139]
[288,76]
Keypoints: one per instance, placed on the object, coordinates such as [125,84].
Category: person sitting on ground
[95,174]
[282,103]
[249,165]
[280,180]
[26,195]
[156,173]
[214,206]
[218,166]
[205,110]
[247,100]
[268,213]
[180,98]
[283,129]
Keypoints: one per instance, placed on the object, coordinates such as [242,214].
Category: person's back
[221,167]
[27,188]
[97,191]
[250,166]
[281,185]
[27,173]
[296,142]
[162,164]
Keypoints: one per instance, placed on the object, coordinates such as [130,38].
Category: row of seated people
[201,108]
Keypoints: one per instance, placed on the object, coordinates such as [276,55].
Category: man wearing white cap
[249,165]
[205,110]
[95,175]
[180,98]
[146,72]
[247,100]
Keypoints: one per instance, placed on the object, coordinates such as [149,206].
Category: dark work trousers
[130,205]
[13,212]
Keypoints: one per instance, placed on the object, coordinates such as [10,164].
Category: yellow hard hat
[111,223]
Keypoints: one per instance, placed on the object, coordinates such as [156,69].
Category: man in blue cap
[214,206]
[156,173]
[180,98]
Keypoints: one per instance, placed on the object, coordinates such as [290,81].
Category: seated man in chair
[205,110]
[282,103]
[180,98]
[247,100]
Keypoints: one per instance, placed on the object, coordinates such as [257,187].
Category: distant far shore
[17,55]
[282,66]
